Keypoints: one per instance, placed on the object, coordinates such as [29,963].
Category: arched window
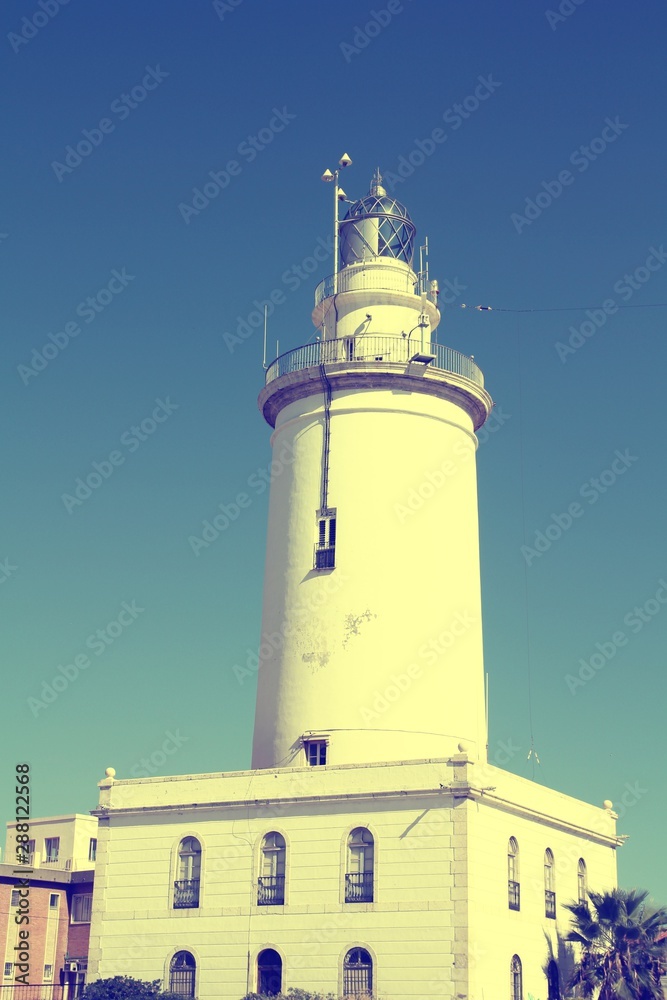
[513,887]
[182,971]
[549,885]
[186,886]
[357,973]
[271,884]
[553,981]
[269,972]
[516,979]
[582,887]
[359,874]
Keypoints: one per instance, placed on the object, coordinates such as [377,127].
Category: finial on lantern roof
[376,184]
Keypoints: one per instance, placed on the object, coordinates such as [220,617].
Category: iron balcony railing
[359,887]
[271,890]
[550,904]
[371,348]
[514,894]
[34,991]
[186,893]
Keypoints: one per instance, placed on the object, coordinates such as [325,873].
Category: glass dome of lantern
[377,226]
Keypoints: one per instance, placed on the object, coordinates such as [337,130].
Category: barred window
[357,973]
[9,968]
[269,972]
[182,971]
[15,898]
[516,979]
[81,908]
[553,981]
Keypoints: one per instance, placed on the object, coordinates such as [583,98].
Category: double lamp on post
[339,195]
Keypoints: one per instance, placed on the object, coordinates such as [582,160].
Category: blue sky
[529,146]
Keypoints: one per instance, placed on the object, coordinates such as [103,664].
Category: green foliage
[292,994]
[622,946]
[123,988]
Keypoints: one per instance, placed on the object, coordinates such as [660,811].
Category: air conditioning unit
[73,967]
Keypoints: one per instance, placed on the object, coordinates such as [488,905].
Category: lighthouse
[372,850]
[371,646]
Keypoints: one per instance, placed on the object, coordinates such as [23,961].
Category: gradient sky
[220,74]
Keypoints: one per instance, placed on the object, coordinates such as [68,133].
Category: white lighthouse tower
[372,634]
[371,850]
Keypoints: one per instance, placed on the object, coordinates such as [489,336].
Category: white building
[372,848]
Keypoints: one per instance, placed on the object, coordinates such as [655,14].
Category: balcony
[359,887]
[186,893]
[271,890]
[514,895]
[550,904]
[364,351]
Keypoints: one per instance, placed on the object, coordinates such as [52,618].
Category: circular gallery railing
[369,349]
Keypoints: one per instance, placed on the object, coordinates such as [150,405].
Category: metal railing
[550,904]
[514,895]
[359,887]
[35,991]
[369,349]
[271,890]
[186,893]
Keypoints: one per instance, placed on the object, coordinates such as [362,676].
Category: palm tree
[623,948]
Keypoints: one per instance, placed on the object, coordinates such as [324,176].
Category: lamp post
[339,195]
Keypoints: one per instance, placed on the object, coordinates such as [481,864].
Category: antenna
[423,265]
[265,319]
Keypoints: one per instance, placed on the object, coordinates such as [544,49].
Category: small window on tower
[316,752]
[325,547]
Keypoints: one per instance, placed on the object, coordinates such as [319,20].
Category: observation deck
[375,361]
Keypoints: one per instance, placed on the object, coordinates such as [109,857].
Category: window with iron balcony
[186,886]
